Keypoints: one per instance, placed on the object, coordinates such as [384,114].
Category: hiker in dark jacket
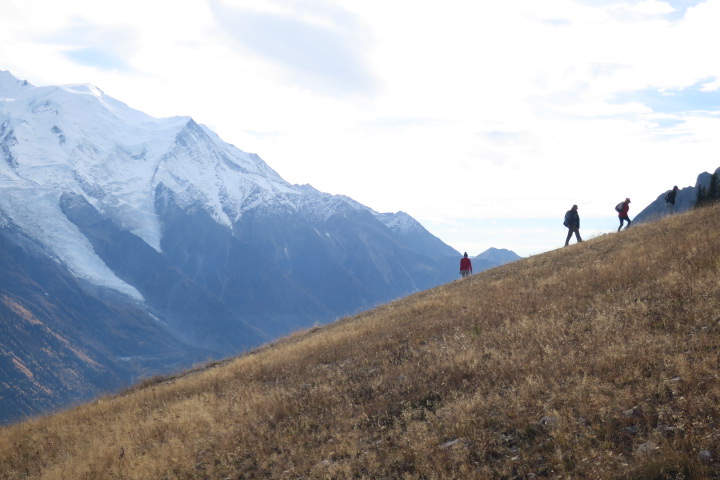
[572,222]
[623,214]
[670,198]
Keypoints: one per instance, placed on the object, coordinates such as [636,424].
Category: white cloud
[647,7]
[318,44]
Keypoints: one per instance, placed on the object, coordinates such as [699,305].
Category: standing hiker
[465,266]
[623,213]
[670,198]
[572,222]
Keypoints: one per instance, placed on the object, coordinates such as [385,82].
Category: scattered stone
[549,421]
[450,443]
[706,456]
[667,430]
[648,448]
[505,438]
[633,412]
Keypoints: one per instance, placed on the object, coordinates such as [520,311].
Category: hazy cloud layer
[672,10]
[694,98]
[319,45]
[106,48]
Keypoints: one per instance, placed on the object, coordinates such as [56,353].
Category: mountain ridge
[685,199]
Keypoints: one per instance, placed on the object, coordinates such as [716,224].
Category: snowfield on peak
[399,222]
[74,139]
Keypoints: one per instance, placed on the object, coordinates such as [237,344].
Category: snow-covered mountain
[172,229]
[75,139]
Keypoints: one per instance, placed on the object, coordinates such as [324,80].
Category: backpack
[619,207]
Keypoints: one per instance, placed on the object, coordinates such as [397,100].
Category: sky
[484,120]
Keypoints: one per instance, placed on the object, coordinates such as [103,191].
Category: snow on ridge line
[227,183]
[399,221]
[9,83]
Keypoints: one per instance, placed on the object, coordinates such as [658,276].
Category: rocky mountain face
[684,200]
[132,245]
[62,342]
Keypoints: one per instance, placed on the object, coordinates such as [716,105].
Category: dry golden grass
[599,360]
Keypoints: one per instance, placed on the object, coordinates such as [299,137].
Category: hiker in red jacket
[465,266]
[623,214]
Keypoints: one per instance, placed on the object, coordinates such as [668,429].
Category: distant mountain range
[493,257]
[133,245]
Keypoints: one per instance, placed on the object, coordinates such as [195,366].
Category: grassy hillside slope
[599,360]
